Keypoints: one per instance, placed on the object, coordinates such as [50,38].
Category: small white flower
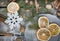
[13,20]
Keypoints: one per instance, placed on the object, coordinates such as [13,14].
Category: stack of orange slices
[46,30]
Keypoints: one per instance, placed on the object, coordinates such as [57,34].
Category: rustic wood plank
[6,34]
[2,18]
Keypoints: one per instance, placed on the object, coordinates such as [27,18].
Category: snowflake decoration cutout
[13,20]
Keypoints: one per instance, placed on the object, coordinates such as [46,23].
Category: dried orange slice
[54,29]
[12,7]
[43,22]
[59,29]
[43,34]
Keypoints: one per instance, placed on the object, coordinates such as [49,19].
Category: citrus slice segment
[54,29]
[12,7]
[43,22]
[43,34]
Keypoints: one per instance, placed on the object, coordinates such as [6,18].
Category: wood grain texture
[5,34]
[2,18]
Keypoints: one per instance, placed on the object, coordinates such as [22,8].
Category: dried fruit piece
[43,34]
[54,29]
[13,7]
[43,22]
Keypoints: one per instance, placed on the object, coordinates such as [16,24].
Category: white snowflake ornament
[13,20]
